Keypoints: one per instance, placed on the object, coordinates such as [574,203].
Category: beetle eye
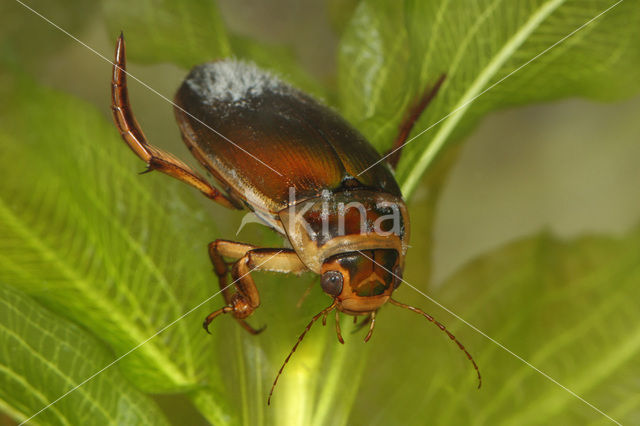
[397,277]
[332,282]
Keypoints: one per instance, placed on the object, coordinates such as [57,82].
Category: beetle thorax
[347,221]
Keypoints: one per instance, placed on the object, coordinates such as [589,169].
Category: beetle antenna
[443,328]
[307,328]
[340,339]
[371,325]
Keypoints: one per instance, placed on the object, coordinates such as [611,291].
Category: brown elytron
[294,162]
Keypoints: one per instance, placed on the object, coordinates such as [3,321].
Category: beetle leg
[132,134]
[361,324]
[234,250]
[247,299]
[262,259]
[410,120]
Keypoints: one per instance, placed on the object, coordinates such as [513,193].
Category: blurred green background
[534,239]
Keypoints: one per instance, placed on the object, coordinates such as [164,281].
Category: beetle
[298,166]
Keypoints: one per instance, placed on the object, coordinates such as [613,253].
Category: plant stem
[208,404]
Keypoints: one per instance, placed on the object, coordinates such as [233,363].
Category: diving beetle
[298,166]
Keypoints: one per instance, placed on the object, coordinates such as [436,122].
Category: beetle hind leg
[412,116]
[132,134]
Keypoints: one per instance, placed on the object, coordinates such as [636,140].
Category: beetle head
[361,282]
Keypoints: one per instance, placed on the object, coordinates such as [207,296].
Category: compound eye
[331,282]
[397,277]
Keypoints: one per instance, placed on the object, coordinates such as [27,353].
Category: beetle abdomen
[270,137]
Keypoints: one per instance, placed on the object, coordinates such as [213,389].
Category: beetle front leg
[247,299]
[262,259]
[219,249]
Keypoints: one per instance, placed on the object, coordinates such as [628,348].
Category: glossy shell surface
[275,138]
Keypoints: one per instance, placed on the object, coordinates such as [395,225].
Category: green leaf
[570,308]
[22,31]
[121,254]
[190,33]
[183,33]
[312,389]
[124,255]
[43,356]
[340,12]
[390,54]
[280,60]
